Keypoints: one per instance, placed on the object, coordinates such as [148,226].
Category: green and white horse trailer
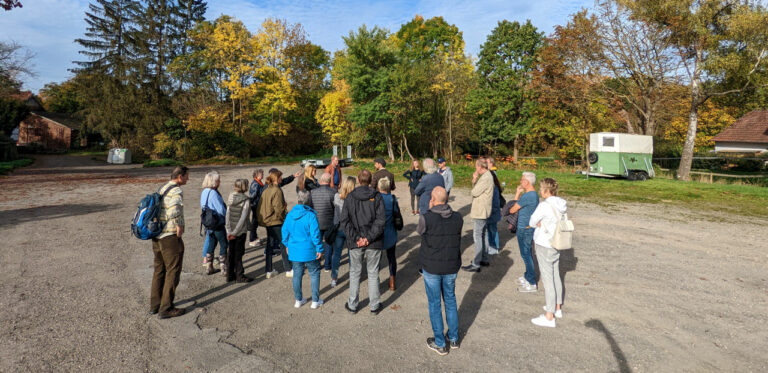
[621,155]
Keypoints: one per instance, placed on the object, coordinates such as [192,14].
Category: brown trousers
[169,253]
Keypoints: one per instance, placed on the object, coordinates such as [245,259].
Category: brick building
[52,131]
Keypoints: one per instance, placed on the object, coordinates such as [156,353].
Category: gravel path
[648,288]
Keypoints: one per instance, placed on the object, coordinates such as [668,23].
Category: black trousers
[392,259]
[253,235]
[235,253]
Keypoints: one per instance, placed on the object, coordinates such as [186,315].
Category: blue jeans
[480,235]
[211,238]
[338,246]
[493,234]
[525,240]
[444,286]
[313,267]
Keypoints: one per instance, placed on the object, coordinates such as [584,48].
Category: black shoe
[346,306]
[484,264]
[471,268]
[173,312]
[244,279]
[454,344]
[375,311]
[154,311]
[442,351]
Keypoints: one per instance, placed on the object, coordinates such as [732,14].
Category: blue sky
[49,27]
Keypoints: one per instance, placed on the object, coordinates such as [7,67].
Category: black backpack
[397,217]
[209,218]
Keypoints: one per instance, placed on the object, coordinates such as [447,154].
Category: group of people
[361,215]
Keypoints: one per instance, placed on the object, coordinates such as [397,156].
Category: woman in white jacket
[545,219]
[238,223]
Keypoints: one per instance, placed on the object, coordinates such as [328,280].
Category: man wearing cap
[379,164]
[447,174]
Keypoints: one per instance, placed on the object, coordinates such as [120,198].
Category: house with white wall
[749,134]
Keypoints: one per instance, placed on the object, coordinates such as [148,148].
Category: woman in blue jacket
[211,199]
[301,237]
[390,233]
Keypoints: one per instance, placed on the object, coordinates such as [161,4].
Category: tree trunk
[514,156]
[390,151]
[450,132]
[405,142]
[625,116]
[684,170]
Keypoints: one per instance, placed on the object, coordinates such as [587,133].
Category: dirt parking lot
[648,288]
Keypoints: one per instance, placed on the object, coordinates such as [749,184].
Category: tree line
[159,78]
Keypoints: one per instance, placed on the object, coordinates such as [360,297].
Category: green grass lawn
[713,198]
[6,167]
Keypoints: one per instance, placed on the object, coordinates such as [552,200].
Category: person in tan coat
[482,198]
[271,214]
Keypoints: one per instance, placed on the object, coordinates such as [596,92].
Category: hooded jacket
[447,175]
[440,230]
[545,214]
[301,234]
[238,217]
[257,187]
[271,209]
[363,216]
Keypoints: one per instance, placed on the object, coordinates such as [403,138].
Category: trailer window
[608,141]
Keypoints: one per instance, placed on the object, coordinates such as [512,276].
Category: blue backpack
[146,223]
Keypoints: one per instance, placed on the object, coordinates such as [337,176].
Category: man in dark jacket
[321,199]
[428,182]
[440,260]
[362,219]
[379,164]
[254,193]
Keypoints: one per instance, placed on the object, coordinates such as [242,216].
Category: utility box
[119,156]
[621,155]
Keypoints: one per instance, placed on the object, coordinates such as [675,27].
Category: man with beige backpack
[552,234]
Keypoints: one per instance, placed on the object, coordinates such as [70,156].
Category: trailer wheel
[592,157]
[641,176]
[631,175]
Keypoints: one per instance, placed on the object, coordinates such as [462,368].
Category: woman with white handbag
[553,230]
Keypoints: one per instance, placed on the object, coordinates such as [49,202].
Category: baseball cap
[441,160]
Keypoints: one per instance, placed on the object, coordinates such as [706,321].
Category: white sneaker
[253,243]
[528,288]
[300,303]
[493,251]
[542,321]
[326,270]
[270,274]
[289,273]
[558,313]
[333,283]
[317,304]
[521,281]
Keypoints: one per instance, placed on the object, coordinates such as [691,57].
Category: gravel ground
[649,288]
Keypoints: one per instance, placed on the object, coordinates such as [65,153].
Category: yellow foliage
[713,119]
[333,110]
[210,120]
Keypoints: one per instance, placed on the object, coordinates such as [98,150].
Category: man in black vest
[440,260]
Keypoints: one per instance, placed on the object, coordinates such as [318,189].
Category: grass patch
[88,152]
[8,166]
[743,200]
[161,163]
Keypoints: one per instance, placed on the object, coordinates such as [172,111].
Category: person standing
[257,186]
[439,260]
[338,245]
[168,247]
[482,198]
[380,165]
[211,199]
[429,181]
[272,215]
[545,219]
[304,243]
[390,233]
[307,180]
[495,217]
[363,219]
[288,179]
[238,223]
[321,200]
[446,173]
[335,170]
[414,176]
[527,200]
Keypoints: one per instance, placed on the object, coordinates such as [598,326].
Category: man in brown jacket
[335,171]
[169,248]
[379,164]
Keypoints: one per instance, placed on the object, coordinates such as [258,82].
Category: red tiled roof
[22,96]
[752,127]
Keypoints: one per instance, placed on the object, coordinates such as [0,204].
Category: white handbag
[563,237]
